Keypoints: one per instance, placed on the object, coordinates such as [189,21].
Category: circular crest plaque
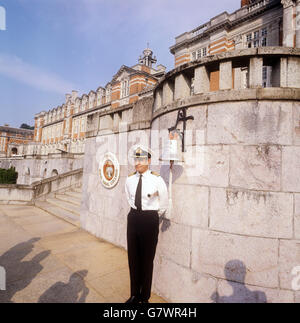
[109,170]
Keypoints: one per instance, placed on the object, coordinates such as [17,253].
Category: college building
[12,139]
[233,229]
[64,128]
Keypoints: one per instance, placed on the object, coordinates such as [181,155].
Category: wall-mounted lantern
[175,147]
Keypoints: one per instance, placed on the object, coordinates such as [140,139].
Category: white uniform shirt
[154,191]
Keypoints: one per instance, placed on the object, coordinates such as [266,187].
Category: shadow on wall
[74,291]
[19,273]
[235,271]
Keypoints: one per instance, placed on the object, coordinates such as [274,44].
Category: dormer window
[124,88]
[108,92]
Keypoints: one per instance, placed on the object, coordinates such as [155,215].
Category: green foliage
[8,176]
[26,126]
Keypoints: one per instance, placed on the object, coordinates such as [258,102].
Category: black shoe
[144,301]
[133,299]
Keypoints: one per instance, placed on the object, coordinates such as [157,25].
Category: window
[264,32]
[108,91]
[257,38]
[264,73]
[124,88]
[200,52]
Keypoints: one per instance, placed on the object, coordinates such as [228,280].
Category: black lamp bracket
[182,117]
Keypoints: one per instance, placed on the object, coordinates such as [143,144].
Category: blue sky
[51,47]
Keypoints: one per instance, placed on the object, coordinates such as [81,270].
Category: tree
[26,126]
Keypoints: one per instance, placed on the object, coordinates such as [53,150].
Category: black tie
[138,195]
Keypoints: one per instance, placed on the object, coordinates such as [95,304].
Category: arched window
[14,151]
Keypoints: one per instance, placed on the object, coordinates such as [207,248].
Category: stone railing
[239,70]
[28,194]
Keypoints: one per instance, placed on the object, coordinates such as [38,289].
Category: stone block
[212,252]
[297,216]
[291,169]
[201,82]
[250,123]
[114,231]
[168,93]
[190,205]
[206,165]
[225,75]
[289,257]
[296,127]
[174,242]
[293,71]
[186,287]
[196,129]
[182,87]
[251,213]
[231,292]
[255,72]
[255,167]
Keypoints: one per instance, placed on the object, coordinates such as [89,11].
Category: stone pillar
[288,23]
[298,24]
[225,76]
[201,82]
[168,93]
[290,72]
[293,72]
[283,72]
[182,87]
[158,99]
[255,72]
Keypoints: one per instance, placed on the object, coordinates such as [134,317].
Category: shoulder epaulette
[132,174]
[156,174]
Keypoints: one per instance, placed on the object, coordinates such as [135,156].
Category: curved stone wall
[234,231]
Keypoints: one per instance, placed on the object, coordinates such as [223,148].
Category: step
[58,212]
[74,194]
[70,207]
[68,198]
[77,189]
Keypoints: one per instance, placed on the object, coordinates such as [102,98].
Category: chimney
[68,97]
[244,3]
[74,95]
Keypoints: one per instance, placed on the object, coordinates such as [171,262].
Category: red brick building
[12,138]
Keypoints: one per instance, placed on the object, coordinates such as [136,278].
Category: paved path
[50,260]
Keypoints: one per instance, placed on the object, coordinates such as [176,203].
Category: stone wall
[233,232]
[104,211]
[235,214]
[40,190]
[36,168]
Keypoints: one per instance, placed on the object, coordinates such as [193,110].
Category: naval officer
[147,196]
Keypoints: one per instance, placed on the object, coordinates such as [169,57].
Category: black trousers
[142,236]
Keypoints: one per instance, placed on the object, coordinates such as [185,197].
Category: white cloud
[16,69]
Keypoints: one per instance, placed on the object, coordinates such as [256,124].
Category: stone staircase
[64,205]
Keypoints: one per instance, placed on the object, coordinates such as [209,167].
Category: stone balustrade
[28,194]
[238,70]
